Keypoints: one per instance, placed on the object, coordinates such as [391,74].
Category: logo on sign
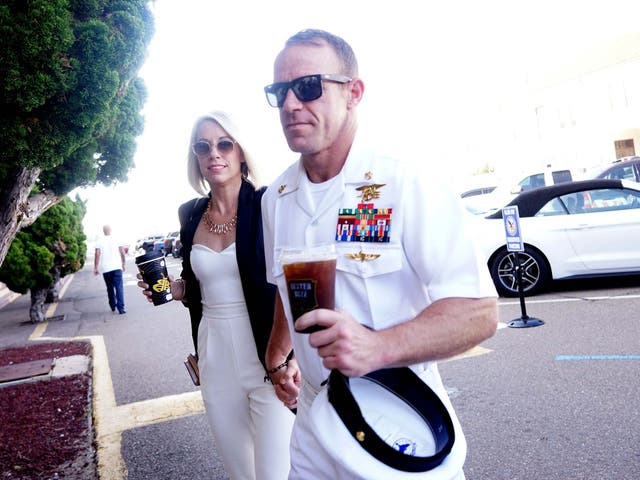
[511,220]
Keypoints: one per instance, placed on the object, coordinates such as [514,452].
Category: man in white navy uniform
[411,287]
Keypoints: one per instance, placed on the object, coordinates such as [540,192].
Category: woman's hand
[144,286]
[177,287]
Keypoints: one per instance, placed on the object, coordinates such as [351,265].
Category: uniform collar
[359,168]
[359,163]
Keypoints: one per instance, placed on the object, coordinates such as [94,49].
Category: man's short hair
[318,38]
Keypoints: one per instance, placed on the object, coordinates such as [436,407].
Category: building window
[625,148]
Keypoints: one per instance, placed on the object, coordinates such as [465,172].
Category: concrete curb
[6,295]
[73,365]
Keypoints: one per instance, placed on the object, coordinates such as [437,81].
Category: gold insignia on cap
[281,188]
[360,436]
[370,192]
[368,175]
[363,257]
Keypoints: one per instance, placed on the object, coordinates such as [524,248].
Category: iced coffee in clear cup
[310,274]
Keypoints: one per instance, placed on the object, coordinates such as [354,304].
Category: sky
[430,68]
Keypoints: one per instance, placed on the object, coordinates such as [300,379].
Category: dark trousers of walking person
[115,290]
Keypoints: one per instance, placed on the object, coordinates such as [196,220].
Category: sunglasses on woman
[306,89]
[202,147]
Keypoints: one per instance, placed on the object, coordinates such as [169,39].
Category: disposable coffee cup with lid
[153,268]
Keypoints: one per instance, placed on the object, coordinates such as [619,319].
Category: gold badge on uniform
[369,192]
[363,257]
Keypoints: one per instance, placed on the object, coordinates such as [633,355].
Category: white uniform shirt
[430,254]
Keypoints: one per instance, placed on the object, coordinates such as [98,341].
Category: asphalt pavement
[557,401]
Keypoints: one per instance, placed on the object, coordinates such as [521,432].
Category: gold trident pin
[363,257]
[370,191]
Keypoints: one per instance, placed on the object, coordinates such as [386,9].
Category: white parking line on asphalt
[573,299]
[112,420]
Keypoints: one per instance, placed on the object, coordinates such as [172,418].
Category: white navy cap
[388,425]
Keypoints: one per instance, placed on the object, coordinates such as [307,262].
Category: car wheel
[535,272]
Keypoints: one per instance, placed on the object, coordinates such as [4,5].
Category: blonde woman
[223,283]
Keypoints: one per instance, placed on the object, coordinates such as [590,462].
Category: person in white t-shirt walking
[110,260]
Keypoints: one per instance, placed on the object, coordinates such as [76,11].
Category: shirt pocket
[367,260]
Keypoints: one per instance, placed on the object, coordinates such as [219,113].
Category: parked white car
[570,230]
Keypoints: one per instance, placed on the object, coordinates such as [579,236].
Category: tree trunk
[36,312]
[53,292]
[17,209]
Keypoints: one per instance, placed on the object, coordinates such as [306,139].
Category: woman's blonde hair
[196,180]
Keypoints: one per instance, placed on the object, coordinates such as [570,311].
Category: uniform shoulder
[287,178]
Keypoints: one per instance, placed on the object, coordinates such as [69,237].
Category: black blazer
[258,293]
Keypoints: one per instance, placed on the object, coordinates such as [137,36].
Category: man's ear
[356,92]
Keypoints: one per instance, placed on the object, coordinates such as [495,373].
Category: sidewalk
[6,295]
[15,325]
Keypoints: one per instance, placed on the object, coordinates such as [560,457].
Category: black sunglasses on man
[306,89]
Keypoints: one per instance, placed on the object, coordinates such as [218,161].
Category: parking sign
[511,220]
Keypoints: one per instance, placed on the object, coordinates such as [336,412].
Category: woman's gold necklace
[218,228]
